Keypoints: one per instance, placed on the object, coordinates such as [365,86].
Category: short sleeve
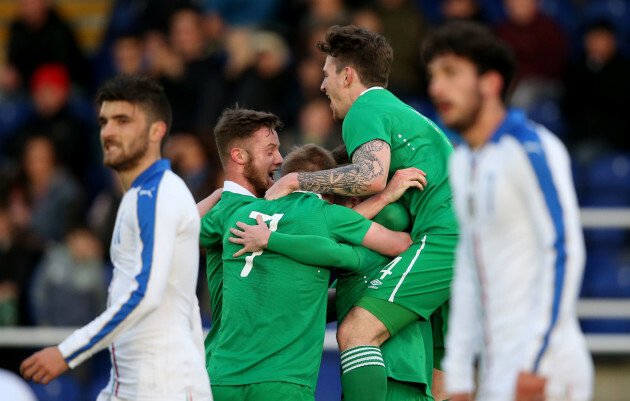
[344,224]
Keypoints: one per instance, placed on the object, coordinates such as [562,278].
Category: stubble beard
[138,150]
[253,176]
[469,117]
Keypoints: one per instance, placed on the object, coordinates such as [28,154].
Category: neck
[128,176]
[356,91]
[242,181]
[488,120]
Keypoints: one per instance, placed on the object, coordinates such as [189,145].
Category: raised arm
[205,205]
[365,176]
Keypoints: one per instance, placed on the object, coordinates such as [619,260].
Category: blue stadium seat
[563,12]
[546,111]
[329,382]
[609,181]
[605,326]
[63,388]
[607,275]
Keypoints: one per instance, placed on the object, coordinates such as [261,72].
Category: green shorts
[394,317]
[420,278]
[265,391]
[403,391]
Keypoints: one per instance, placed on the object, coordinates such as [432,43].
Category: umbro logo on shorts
[375,284]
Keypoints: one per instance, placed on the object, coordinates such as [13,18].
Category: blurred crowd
[57,202]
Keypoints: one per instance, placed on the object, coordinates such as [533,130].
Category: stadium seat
[563,12]
[546,111]
[63,388]
[609,181]
[328,382]
[605,326]
[607,275]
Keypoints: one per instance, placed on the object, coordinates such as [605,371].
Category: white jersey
[519,267]
[152,323]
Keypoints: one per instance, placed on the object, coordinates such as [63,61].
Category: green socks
[363,376]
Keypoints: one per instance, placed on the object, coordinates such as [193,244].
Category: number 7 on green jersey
[273,226]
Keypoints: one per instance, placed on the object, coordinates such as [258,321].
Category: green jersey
[414,142]
[274,308]
[211,238]
[408,354]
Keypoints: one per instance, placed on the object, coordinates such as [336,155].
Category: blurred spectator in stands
[248,13]
[404,26]
[101,216]
[540,48]
[218,93]
[190,160]
[184,66]
[257,75]
[270,84]
[367,18]
[17,263]
[128,55]
[37,36]
[597,88]
[469,10]
[315,125]
[45,200]
[70,285]
[309,74]
[313,20]
[54,118]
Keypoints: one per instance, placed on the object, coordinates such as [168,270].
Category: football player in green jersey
[273,314]
[408,369]
[248,143]
[383,135]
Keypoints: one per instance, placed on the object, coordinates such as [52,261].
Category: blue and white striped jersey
[519,266]
[152,323]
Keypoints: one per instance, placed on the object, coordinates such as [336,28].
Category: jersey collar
[513,119]
[370,89]
[157,167]
[309,192]
[231,186]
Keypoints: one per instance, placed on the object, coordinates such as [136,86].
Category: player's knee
[360,328]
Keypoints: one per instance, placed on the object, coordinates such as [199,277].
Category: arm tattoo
[352,179]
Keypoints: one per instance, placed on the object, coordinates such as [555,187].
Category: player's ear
[349,75]
[491,84]
[354,201]
[239,155]
[157,130]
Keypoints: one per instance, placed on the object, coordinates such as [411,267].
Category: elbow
[378,183]
[404,244]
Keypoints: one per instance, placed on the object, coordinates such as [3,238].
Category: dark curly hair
[475,43]
[365,51]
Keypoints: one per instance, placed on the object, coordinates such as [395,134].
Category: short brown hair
[306,159]
[236,124]
[340,154]
[366,51]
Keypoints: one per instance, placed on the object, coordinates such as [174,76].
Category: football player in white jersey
[521,253]
[152,324]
